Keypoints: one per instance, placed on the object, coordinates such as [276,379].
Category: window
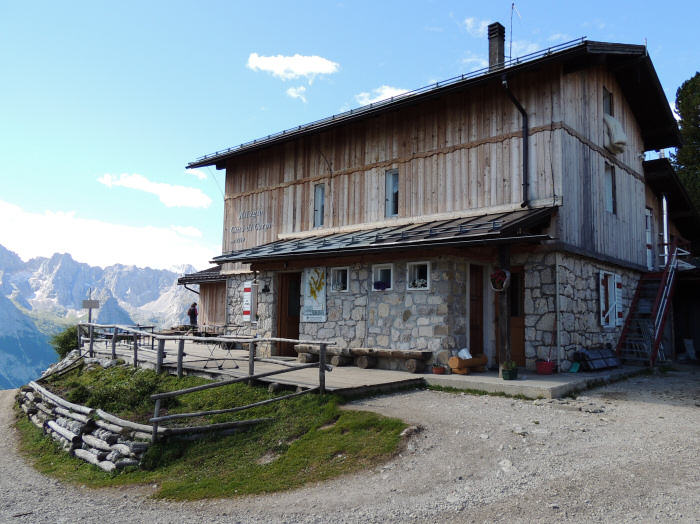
[610,190]
[607,102]
[392,193]
[319,204]
[382,277]
[610,299]
[339,279]
[418,275]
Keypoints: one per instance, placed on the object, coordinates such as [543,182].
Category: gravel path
[628,452]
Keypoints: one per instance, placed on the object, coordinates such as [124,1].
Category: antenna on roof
[510,46]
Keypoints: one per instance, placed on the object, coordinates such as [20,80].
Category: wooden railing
[133,335]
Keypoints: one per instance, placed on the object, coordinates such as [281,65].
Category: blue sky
[104,103]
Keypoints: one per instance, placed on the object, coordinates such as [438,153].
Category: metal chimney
[497,40]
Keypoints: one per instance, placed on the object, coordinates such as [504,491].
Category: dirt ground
[627,452]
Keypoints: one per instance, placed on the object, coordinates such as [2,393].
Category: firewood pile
[92,435]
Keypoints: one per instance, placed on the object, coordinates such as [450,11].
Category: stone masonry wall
[399,318]
[579,303]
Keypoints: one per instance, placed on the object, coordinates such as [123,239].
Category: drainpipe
[190,289]
[526,183]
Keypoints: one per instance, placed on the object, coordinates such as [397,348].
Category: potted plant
[500,280]
[380,285]
[510,370]
[438,370]
[419,283]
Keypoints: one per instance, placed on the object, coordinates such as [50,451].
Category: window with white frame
[610,190]
[418,275]
[339,279]
[611,313]
[392,193]
[319,204]
[382,277]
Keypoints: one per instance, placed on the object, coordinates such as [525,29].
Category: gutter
[526,177]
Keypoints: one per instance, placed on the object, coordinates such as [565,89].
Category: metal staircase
[640,341]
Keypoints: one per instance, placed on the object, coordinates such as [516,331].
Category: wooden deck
[210,361]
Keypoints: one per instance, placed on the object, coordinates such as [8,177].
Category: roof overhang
[208,276]
[630,63]
[509,227]
[663,180]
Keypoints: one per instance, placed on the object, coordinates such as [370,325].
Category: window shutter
[601,294]
[619,314]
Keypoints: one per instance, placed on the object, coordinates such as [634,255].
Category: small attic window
[608,102]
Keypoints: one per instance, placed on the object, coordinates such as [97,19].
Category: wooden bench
[366,357]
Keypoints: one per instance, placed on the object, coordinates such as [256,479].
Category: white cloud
[100,243]
[187,231]
[476,28]
[521,48]
[196,172]
[297,92]
[169,195]
[380,93]
[559,37]
[474,62]
[292,67]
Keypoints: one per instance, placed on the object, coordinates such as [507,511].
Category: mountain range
[43,296]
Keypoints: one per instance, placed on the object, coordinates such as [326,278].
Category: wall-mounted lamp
[265,289]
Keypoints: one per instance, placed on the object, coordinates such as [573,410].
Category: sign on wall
[314,293]
[247,300]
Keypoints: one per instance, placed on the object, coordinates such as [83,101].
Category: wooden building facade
[381,227]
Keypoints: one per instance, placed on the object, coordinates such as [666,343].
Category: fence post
[136,350]
[251,361]
[91,330]
[180,354]
[80,339]
[322,369]
[156,414]
[159,356]
[114,342]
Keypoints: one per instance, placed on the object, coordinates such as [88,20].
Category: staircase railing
[661,306]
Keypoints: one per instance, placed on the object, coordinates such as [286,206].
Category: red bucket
[545,367]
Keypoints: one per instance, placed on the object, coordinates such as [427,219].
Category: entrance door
[476,309]
[517,315]
[289,310]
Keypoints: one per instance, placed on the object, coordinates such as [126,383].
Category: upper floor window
[392,193]
[319,204]
[608,102]
[610,190]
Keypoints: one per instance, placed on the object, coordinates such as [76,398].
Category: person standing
[192,313]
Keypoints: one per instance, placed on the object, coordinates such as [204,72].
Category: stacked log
[461,366]
[91,435]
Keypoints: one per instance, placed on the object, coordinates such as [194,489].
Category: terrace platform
[221,364]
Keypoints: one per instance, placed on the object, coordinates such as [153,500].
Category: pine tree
[687,158]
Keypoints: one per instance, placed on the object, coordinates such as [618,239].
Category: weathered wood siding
[460,152]
[212,304]
[584,221]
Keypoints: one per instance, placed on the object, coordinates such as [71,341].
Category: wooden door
[517,315]
[476,309]
[289,308]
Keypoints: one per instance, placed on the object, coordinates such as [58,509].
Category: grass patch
[308,439]
[479,392]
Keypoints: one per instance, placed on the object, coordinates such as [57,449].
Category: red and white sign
[247,301]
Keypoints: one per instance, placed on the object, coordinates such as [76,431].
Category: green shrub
[65,341]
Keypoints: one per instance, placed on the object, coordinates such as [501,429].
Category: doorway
[476,309]
[289,308]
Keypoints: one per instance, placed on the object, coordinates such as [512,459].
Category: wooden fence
[111,334]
